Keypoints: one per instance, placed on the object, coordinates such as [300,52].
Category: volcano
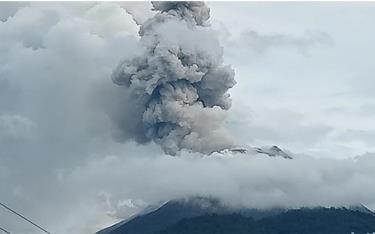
[200,215]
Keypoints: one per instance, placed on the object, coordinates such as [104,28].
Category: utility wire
[4,230]
[23,217]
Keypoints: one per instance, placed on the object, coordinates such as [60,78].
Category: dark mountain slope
[174,211]
[206,216]
[302,221]
[168,214]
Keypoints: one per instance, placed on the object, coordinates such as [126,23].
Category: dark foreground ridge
[208,216]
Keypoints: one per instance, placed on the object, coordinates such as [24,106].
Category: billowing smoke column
[178,85]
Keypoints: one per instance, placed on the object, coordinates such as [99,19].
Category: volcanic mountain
[200,215]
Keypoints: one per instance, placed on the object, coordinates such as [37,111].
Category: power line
[23,217]
[4,230]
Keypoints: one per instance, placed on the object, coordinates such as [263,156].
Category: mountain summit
[273,151]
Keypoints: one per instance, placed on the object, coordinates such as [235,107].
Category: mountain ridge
[270,151]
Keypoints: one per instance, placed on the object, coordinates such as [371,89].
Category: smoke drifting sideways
[177,87]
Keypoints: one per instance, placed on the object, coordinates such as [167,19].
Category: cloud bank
[239,181]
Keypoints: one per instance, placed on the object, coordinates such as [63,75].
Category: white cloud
[140,11]
[56,62]
[246,180]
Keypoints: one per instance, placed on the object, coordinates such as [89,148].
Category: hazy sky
[304,77]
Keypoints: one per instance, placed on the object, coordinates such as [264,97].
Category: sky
[304,74]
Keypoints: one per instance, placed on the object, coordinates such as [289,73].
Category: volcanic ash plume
[178,85]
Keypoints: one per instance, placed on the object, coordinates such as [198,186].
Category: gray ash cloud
[177,87]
